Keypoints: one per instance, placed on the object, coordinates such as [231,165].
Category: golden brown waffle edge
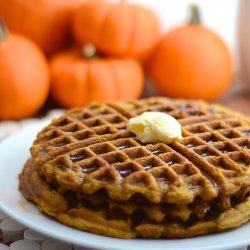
[52,203]
[89,149]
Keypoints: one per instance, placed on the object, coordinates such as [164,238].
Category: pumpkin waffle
[165,211]
[97,219]
[89,150]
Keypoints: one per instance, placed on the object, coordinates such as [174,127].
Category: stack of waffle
[89,172]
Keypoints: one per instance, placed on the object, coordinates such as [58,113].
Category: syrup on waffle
[89,149]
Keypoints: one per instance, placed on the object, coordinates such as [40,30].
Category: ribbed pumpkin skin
[46,22]
[191,62]
[116,29]
[24,78]
[77,81]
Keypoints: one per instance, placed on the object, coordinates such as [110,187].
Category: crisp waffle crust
[155,190]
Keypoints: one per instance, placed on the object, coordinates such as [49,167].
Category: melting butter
[152,127]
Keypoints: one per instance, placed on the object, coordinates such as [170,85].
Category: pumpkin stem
[195,15]
[3,30]
[89,51]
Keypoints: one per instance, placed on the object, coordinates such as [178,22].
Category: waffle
[97,219]
[87,171]
[89,150]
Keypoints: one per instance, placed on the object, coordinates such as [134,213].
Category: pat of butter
[152,127]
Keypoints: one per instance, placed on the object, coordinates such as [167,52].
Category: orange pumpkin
[46,22]
[192,62]
[116,29]
[24,76]
[77,80]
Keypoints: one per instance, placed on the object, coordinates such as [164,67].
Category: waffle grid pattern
[90,149]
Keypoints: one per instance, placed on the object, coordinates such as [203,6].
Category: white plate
[13,153]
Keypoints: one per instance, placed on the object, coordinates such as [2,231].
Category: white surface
[52,244]
[4,247]
[2,215]
[11,225]
[14,152]
[83,248]
[11,230]
[30,234]
[25,245]
[7,128]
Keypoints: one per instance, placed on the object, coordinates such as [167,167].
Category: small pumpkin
[80,78]
[46,22]
[192,62]
[24,76]
[116,29]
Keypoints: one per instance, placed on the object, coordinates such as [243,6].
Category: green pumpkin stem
[3,30]
[195,15]
[89,51]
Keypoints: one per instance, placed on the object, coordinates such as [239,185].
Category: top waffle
[87,150]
